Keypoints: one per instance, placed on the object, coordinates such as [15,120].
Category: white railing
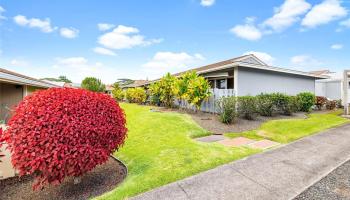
[209,105]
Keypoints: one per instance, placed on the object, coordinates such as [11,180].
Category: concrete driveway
[282,173]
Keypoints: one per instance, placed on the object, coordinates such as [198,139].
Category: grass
[288,130]
[160,149]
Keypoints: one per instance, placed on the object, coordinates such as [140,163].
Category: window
[221,84]
[211,83]
[230,83]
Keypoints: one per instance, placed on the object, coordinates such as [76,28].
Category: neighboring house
[14,87]
[136,83]
[248,75]
[109,89]
[332,87]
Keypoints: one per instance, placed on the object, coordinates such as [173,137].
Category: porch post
[345,91]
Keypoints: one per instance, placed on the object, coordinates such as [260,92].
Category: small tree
[167,89]
[93,84]
[197,91]
[117,92]
[136,95]
[154,91]
[64,79]
[62,132]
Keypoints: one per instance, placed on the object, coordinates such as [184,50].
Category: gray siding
[255,81]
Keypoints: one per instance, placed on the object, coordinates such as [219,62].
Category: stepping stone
[263,144]
[236,142]
[211,138]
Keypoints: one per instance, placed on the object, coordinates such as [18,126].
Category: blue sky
[144,39]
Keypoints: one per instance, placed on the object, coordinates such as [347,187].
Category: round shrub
[62,132]
[227,109]
[331,104]
[306,101]
[265,104]
[247,107]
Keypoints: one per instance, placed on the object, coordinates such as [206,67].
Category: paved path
[282,173]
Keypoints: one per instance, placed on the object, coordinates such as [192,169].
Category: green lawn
[159,150]
[287,130]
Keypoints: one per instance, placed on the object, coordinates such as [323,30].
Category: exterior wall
[10,95]
[334,90]
[255,81]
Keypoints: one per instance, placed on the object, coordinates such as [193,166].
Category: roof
[249,61]
[136,83]
[16,78]
[58,83]
[321,72]
[109,87]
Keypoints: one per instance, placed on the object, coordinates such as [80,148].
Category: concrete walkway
[280,173]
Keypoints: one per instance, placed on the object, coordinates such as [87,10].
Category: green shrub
[93,84]
[306,100]
[265,104]
[227,109]
[117,92]
[136,95]
[247,107]
[290,106]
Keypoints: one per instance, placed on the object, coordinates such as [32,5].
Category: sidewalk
[281,173]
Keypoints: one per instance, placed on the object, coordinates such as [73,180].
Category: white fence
[209,105]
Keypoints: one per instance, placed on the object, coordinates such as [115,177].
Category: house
[332,87]
[109,89]
[134,84]
[248,75]
[14,87]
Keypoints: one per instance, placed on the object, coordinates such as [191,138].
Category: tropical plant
[93,84]
[117,92]
[306,101]
[227,109]
[197,89]
[136,95]
[247,107]
[154,91]
[63,132]
[167,90]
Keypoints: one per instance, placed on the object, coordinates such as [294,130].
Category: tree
[93,84]
[167,89]
[63,132]
[136,95]
[117,92]
[64,79]
[197,91]
[182,84]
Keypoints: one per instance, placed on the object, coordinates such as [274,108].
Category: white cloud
[2,10]
[69,33]
[72,61]
[345,23]
[337,46]
[247,31]
[163,62]
[207,3]
[305,63]
[104,51]
[18,63]
[44,25]
[287,14]
[323,13]
[105,26]
[265,57]
[124,37]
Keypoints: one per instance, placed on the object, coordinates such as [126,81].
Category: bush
[167,89]
[93,84]
[117,92]
[290,106]
[306,100]
[320,102]
[265,104]
[227,109]
[136,95]
[339,104]
[62,132]
[331,104]
[1,155]
[247,107]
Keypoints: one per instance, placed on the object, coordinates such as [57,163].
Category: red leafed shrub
[1,155]
[63,132]
[320,102]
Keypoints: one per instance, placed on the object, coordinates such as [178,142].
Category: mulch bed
[100,180]
[212,123]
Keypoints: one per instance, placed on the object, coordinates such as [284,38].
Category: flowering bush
[320,102]
[63,132]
